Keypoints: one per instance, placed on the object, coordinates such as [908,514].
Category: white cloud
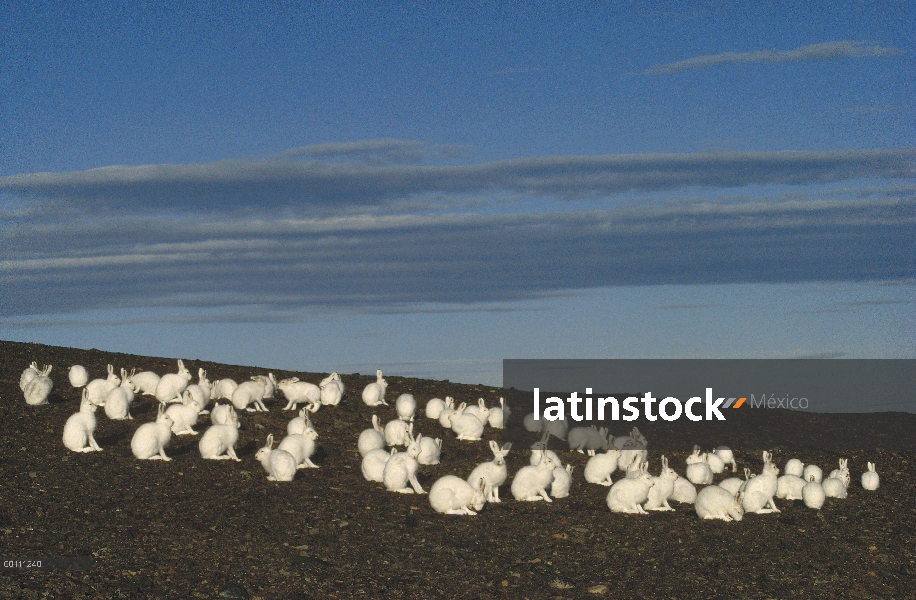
[283,183]
[391,262]
[822,51]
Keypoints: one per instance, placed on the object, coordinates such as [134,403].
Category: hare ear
[270,440]
[85,394]
[133,372]
[507,446]
[664,463]
[111,369]
[739,497]
[494,446]
[161,410]
[481,484]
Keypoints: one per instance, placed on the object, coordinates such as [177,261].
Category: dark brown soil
[191,528]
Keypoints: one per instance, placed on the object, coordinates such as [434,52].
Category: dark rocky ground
[191,528]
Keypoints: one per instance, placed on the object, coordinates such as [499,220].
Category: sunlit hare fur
[452,495]
[80,427]
[279,464]
[400,474]
[374,393]
[218,442]
[150,439]
[493,473]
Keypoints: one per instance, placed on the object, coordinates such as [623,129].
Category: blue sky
[429,190]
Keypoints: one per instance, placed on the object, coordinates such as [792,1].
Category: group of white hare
[546,477]
[181,403]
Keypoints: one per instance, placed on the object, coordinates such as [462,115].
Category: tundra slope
[318,536]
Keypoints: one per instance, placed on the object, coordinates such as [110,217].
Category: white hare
[499,415]
[30,373]
[542,444]
[298,392]
[39,388]
[302,446]
[684,491]
[493,473]
[795,467]
[662,489]
[599,468]
[279,464]
[430,451]
[727,457]
[332,390]
[146,382]
[760,490]
[373,465]
[842,472]
[171,385]
[200,391]
[78,376]
[628,494]
[531,482]
[253,393]
[434,408]
[789,487]
[813,470]
[371,439]
[870,478]
[734,484]
[400,473]
[479,410]
[452,495]
[562,481]
[813,493]
[150,439]
[406,407]
[398,432]
[445,415]
[80,427]
[222,413]
[698,470]
[218,441]
[714,502]
[300,423]
[118,401]
[100,388]
[469,426]
[184,416]
[374,393]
